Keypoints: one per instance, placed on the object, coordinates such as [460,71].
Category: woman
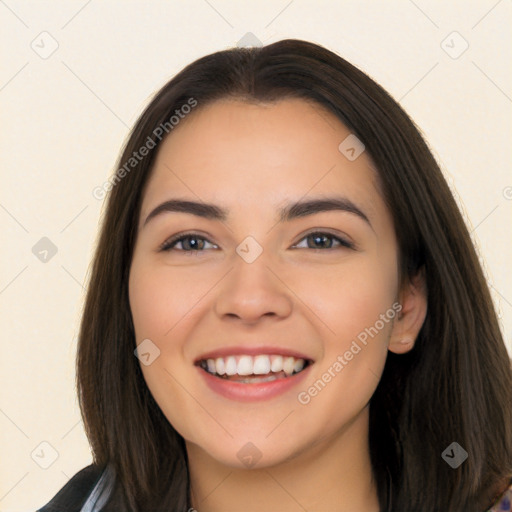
[285,310]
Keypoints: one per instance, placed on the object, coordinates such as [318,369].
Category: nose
[251,291]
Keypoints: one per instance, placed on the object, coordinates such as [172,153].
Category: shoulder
[504,502]
[74,494]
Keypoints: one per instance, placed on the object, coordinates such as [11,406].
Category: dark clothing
[93,489]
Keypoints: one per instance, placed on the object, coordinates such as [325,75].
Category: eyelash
[169,244]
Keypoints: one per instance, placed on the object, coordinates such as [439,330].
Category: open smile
[252,377]
[254,369]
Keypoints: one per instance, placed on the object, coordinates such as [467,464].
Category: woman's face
[263,284]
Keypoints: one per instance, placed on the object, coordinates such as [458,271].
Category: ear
[407,325]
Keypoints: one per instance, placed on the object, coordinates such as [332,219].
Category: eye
[190,242]
[193,242]
[321,240]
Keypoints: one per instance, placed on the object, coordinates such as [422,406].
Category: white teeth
[257,380]
[245,366]
[277,364]
[211,365]
[261,365]
[231,366]
[220,366]
[288,364]
[299,364]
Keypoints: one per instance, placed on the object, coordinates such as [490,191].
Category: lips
[252,374]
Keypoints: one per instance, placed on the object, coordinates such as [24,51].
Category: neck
[333,474]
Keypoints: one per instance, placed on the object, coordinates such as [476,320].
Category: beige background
[65,116]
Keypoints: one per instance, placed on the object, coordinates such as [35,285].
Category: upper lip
[240,350]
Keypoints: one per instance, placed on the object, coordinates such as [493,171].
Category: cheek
[165,305]
[349,298]
[159,306]
[160,299]
[355,302]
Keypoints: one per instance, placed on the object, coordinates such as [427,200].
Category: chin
[244,453]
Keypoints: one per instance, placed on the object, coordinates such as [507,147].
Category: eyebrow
[286,214]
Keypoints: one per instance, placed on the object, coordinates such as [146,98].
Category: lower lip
[252,392]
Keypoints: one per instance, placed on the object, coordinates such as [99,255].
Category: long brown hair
[454,386]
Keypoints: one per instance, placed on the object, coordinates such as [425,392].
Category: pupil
[318,240]
[193,243]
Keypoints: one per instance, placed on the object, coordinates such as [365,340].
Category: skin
[252,159]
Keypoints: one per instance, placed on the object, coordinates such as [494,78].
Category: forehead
[233,152]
